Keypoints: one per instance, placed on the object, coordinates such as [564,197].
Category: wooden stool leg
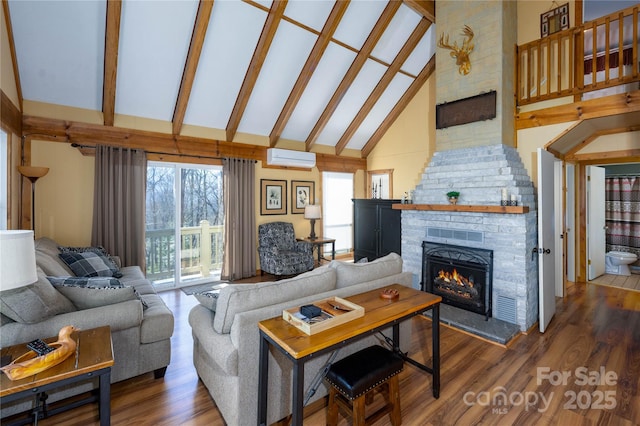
[394,396]
[332,410]
[358,411]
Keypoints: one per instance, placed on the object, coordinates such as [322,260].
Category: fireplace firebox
[460,275]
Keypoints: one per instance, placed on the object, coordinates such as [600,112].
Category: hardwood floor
[596,328]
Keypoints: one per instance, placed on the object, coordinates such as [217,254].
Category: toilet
[617,262]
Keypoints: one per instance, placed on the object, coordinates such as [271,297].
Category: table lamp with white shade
[312,212]
[17,259]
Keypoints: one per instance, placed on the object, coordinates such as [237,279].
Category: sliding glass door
[184,224]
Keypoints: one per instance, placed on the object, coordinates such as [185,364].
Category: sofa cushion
[47,258]
[34,303]
[245,297]
[87,298]
[100,251]
[90,264]
[354,273]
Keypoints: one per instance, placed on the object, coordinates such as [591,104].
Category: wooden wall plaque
[476,108]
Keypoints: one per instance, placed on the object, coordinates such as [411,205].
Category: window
[337,210]
[184,204]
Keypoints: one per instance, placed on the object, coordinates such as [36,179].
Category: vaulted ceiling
[321,72]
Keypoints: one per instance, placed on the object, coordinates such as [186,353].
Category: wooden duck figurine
[29,364]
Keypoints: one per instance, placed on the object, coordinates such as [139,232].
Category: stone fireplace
[480,174]
[479,160]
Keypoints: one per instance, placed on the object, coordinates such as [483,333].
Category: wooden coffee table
[93,358]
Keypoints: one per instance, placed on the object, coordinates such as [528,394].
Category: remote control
[40,347]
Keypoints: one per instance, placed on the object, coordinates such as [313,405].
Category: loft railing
[201,251]
[597,55]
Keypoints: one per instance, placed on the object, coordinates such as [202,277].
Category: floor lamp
[33,174]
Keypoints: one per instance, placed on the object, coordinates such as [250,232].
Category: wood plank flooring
[596,328]
[631,282]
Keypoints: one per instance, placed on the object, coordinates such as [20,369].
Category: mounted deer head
[460,53]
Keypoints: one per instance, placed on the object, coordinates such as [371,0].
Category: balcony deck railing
[562,64]
[201,251]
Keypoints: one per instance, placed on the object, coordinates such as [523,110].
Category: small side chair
[279,252]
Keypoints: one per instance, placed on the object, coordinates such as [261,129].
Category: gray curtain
[239,258]
[119,203]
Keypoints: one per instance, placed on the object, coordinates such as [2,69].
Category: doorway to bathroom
[613,225]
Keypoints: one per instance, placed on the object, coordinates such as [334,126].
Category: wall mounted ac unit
[286,157]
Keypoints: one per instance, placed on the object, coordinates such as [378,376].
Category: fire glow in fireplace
[460,275]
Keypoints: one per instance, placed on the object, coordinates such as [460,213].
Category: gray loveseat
[141,323]
[226,337]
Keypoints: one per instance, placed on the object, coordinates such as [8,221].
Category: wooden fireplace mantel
[463,208]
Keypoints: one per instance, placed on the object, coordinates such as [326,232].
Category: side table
[318,243]
[93,358]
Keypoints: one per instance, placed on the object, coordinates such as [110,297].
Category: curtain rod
[77,145]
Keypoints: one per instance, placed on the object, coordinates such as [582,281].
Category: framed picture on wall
[273,196]
[302,193]
[554,20]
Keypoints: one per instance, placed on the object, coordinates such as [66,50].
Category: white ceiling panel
[379,112]
[323,83]
[422,53]
[154,42]
[66,69]
[400,28]
[312,13]
[60,49]
[234,30]
[358,21]
[351,103]
[288,53]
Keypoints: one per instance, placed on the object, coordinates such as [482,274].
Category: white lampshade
[312,211]
[17,259]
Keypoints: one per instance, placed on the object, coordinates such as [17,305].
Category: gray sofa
[226,337]
[141,324]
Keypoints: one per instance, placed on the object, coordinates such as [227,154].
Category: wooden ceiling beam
[12,49]
[111,44]
[624,156]
[10,115]
[259,55]
[330,26]
[191,65]
[163,144]
[361,58]
[399,107]
[384,82]
[426,8]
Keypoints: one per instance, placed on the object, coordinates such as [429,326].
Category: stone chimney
[479,160]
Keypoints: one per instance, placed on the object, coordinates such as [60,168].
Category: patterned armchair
[280,253]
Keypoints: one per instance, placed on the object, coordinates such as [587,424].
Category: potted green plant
[453,196]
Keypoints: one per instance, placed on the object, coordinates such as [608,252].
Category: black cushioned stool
[353,378]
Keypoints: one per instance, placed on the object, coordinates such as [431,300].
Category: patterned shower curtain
[623,214]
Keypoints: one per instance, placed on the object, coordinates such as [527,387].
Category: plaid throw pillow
[89,264]
[87,282]
[99,250]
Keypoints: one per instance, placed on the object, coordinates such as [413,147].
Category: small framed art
[273,196]
[302,193]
